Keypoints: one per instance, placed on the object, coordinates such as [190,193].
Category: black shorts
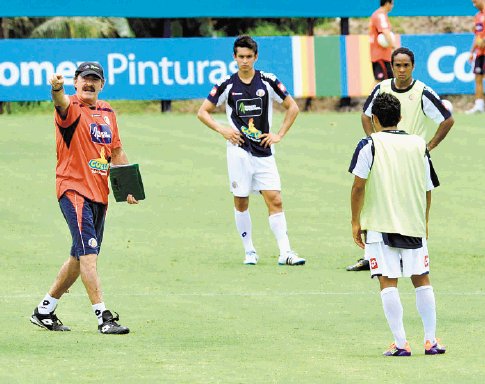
[479,68]
[382,70]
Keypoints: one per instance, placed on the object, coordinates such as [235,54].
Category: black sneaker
[361,265]
[48,321]
[110,326]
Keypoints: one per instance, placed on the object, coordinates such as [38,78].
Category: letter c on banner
[461,63]
[434,67]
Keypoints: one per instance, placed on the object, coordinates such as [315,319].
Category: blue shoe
[434,349]
[395,351]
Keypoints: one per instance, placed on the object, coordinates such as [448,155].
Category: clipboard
[125,180]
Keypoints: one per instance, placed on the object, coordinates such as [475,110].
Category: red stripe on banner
[353,65]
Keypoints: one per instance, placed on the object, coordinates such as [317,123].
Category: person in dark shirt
[248,96]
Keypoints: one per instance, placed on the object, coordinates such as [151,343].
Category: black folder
[125,180]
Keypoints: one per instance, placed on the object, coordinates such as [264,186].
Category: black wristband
[57,90]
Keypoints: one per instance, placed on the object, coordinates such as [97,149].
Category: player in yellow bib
[390,201]
[418,104]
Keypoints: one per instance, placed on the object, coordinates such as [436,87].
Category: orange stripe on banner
[311,66]
[353,65]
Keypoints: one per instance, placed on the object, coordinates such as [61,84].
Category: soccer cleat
[361,265]
[474,109]
[110,326]
[48,321]
[251,258]
[434,349]
[395,351]
[291,258]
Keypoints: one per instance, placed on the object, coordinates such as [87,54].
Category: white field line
[240,294]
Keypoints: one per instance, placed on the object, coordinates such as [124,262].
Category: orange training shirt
[84,140]
[478,30]
[378,23]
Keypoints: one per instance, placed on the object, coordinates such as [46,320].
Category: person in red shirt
[478,51]
[87,141]
[381,56]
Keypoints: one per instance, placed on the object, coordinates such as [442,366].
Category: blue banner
[140,69]
[442,61]
[224,8]
[186,68]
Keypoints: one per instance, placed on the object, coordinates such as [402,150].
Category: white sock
[277,223]
[47,305]
[244,228]
[480,103]
[391,303]
[425,302]
[98,311]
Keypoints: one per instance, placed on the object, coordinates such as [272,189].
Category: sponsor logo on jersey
[106,120]
[412,96]
[251,131]
[99,165]
[213,91]
[249,107]
[260,92]
[373,263]
[100,133]
[282,87]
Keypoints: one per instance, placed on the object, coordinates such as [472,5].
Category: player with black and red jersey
[248,96]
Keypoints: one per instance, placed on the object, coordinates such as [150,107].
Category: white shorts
[395,262]
[251,174]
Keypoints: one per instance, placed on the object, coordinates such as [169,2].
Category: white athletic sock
[98,311]
[425,302]
[391,303]
[244,228]
[277,223]
[47,305]
[480,103]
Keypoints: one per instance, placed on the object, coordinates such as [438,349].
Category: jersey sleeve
[431,177]
[277,88]
[218,93]
[367,108]
[363,158]
[433,107]
[73,115]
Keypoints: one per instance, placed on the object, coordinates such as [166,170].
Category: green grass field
[172,266]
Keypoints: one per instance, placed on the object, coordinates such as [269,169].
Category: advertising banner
[186,68]
[141,69]
[442,61]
